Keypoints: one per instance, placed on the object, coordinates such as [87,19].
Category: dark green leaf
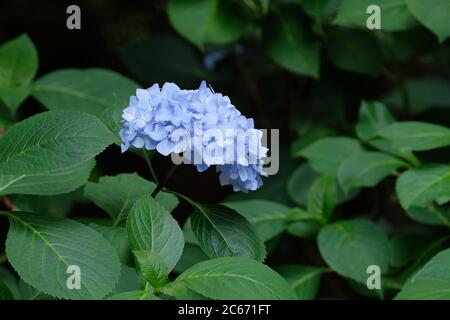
[88,90]
[117,194]
[288,45]
[18,66]
[236,278]
[207,21]
[51,152]
[41,249]
[268,217]
[349,247]
[222,232]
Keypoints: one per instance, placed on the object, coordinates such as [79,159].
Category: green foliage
[151,227]
[207,21]
[222,232]
[431,281]
[117,194]
[395,15]
[349,247]
[41,249]
[433,14]
[356,187]
[305,280]
[50,153]
[287,43]
[90,90]
[235,278]
[269,218]
[18,66]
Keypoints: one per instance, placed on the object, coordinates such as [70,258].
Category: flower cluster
[202,125]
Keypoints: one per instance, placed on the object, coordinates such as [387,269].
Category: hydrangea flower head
[202,125]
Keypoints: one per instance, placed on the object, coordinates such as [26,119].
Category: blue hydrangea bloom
[202,125]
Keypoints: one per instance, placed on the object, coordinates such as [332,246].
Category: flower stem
[150,167]
[166,179]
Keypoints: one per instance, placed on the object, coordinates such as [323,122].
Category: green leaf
[88,90]
[269,218]
[395,15]
[313,134]
[236,278]
[433,14]
[418,187]
[134,295]
[151,227]
[305,280]
[423,93]
[5,294]
[192,254]
[356,51]
[288,45]
[367,169]
[431,214]
[431,282]
[41,249]
[172,60]
[207,21]
[129,281]
[416,136]
[117,194]
[152,267]
[349,247]
[315,8]
[18,66]
[117,238]
[111,118]
[11,282]
[327,154]
[322,198]
[54,206]
[373,117]
[300,182]
[303,229]
[51,152]
[407,247]
[222,232]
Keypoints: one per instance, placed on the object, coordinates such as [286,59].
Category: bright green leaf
[152,267]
